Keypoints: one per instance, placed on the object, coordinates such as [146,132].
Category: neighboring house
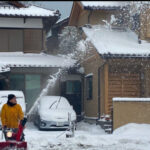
[86,12]
[23,31]
[116,65]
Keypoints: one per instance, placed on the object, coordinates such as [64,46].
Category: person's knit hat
[10,96]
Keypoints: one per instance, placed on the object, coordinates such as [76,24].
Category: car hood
[57,115]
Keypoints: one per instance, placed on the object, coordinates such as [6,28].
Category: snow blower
[14,139]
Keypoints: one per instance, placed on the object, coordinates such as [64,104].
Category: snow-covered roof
[103,4]
[32,11]
[19,59]
[114,43]
[131,99]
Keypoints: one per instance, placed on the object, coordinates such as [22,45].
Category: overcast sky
[63,6]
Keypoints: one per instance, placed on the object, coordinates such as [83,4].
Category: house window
[89,87]
[17,82]
[73,87]
[30,84]
[32,88]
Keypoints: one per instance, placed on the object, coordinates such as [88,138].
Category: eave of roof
[124,56]
[30,11]
[102,5]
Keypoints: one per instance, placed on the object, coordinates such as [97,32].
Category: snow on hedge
[109,41]
[130,99]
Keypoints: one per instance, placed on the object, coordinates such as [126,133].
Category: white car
[19,97]
[53,112]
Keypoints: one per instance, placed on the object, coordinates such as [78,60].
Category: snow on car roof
[113,42]
[103,4]
[49,101]
[33,11]
[19,59]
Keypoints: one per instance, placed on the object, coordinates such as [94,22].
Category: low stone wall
[130,110]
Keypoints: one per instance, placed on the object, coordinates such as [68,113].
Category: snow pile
[90,137]
[28,11]
[19,59]
[133,129]
[109,41]
[128,99]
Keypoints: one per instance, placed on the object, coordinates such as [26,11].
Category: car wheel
[39,122]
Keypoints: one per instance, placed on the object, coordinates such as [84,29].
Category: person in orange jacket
[11,113]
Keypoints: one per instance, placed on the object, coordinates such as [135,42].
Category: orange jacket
[10,116]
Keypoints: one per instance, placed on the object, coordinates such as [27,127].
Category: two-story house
[117,65]
[24,62]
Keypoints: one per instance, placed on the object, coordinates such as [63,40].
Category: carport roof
[19,59]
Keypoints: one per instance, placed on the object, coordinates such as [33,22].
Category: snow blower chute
[14,139]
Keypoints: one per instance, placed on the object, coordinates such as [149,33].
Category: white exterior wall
[19,22]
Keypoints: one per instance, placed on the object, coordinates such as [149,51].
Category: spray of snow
[51,82]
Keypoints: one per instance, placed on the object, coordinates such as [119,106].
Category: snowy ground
[90,137]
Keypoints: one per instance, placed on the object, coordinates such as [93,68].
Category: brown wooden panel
[4,46]
[15,40]
[32,40]
[123,85]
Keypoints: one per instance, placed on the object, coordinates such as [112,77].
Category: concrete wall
[125,112]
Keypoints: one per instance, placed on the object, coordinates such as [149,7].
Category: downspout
[89,16]
[139,31]
[99,93]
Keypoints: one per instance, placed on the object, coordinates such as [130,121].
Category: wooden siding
[75,12]
[123,85]
[33,40]
[11,40]
[4,47]
[15,40]
[27,40]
